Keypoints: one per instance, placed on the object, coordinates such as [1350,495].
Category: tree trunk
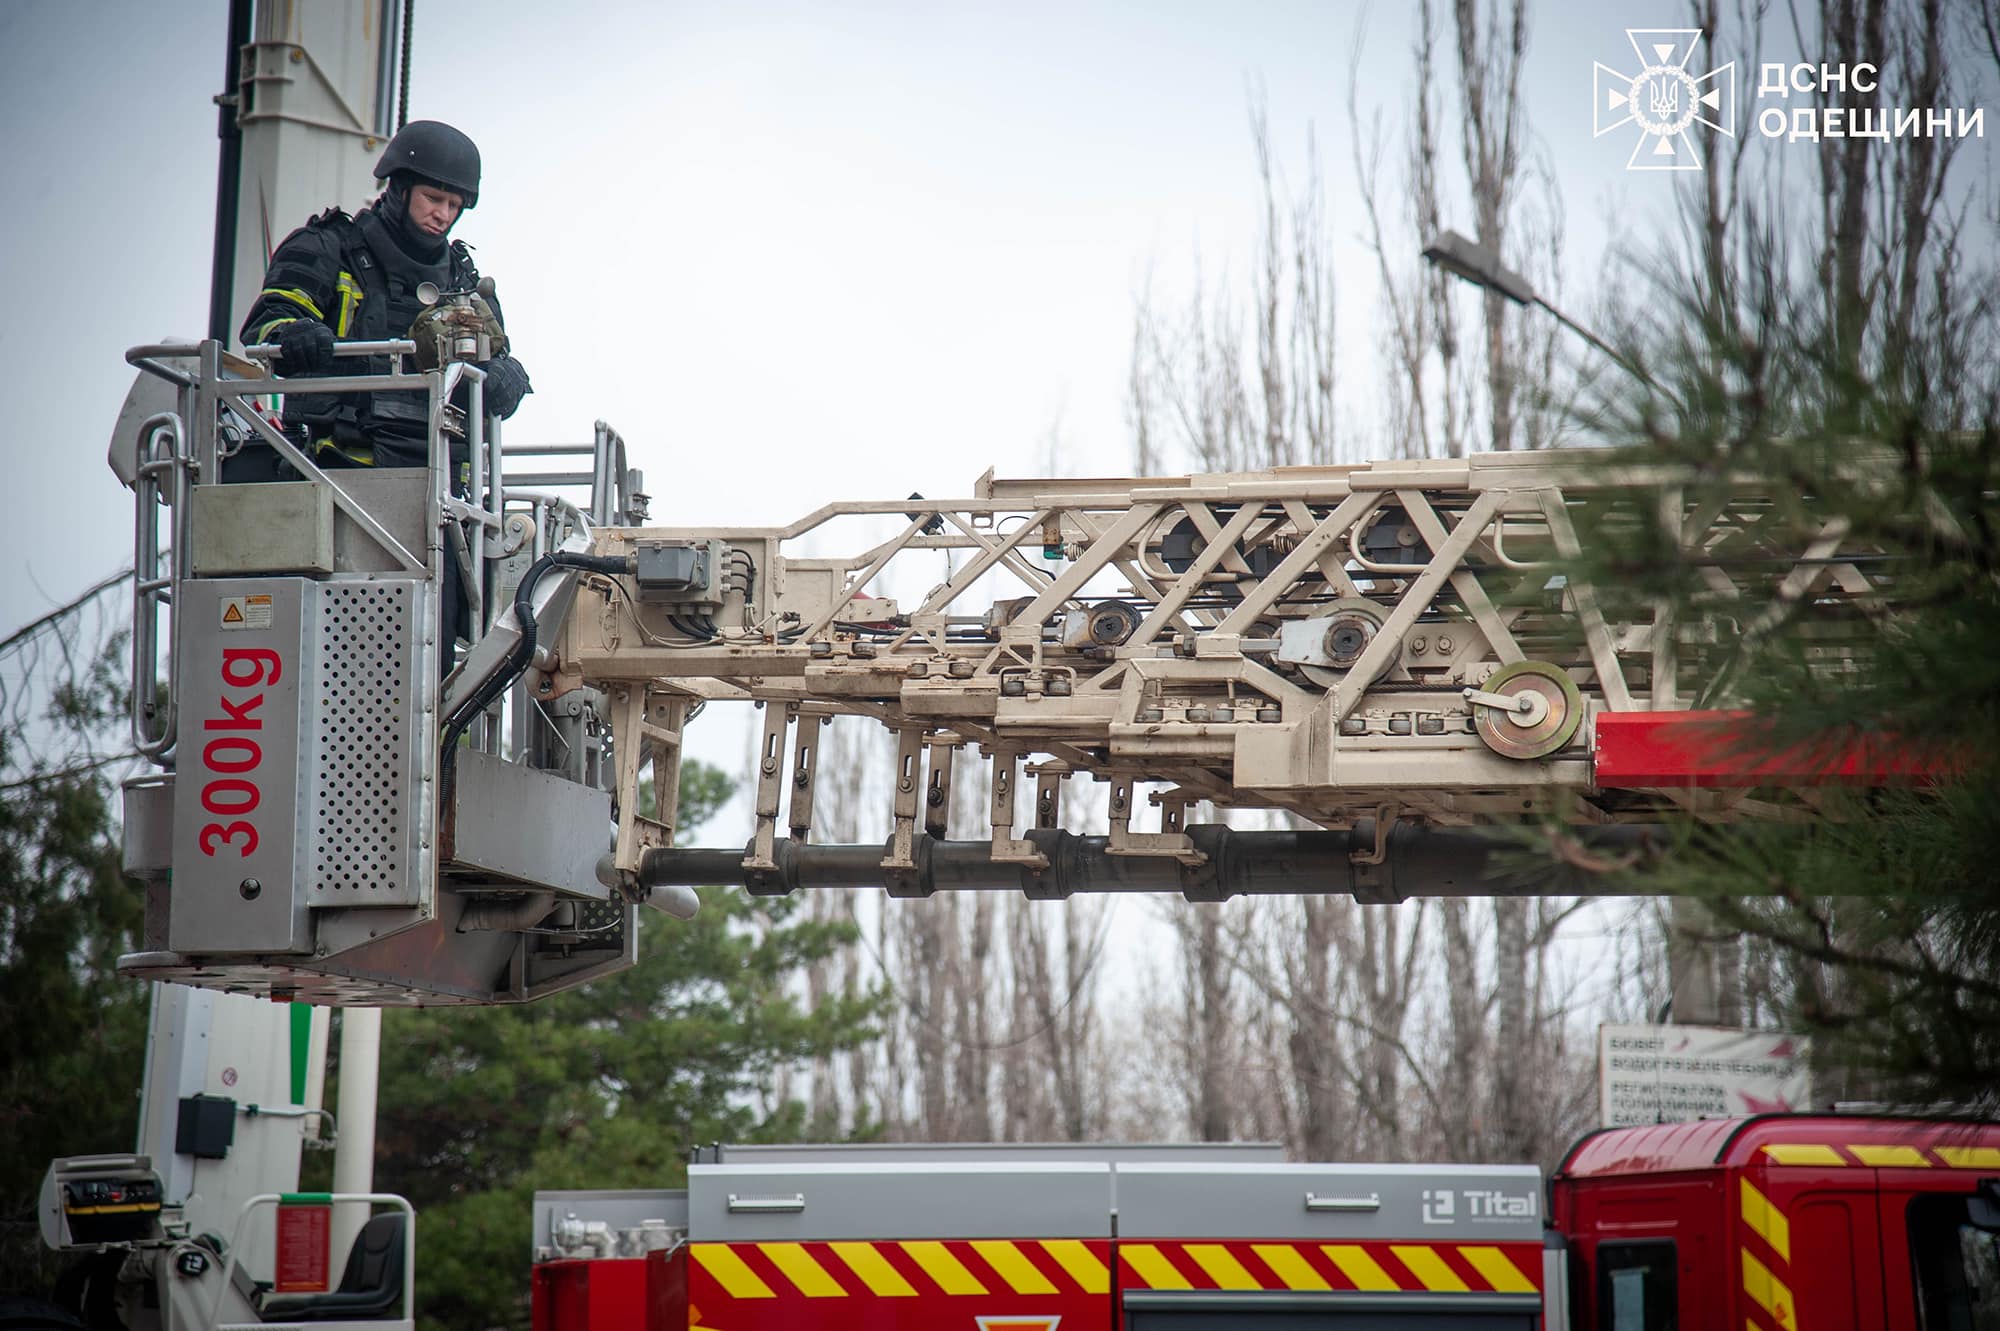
[1314,1046]
[1466,1036]
[1211,1030]
[1515,1070]
[971,995]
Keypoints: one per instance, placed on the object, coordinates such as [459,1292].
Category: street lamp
[1482,267]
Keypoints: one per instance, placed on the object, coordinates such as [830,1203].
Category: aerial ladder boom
[1407,662]
[1396,653]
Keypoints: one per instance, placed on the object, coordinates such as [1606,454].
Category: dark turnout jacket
[353,275]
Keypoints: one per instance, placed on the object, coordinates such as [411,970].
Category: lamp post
[1482,267]
[1695,1000]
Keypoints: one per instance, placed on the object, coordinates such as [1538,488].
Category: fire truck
[1776,1223]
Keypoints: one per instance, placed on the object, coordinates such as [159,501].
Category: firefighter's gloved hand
[305,347]
[506,384]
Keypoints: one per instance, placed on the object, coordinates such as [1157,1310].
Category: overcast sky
[790,250]
[793,251]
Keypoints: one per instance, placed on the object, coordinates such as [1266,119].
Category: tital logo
[1664,99]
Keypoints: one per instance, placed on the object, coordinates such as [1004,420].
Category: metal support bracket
[1385,822]
[805,772]
[1006,848]
[1049,778]
[937,789]
[909,797]
[639,718]
[770,783]
[1124,841]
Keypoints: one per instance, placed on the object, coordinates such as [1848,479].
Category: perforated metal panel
[244,667]
[365,772]
[600,923]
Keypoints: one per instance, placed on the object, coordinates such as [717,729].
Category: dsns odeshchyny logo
[1666,99]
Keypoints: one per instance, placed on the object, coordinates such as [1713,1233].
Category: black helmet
[434,151]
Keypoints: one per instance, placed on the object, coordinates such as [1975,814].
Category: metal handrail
[605,441]
[180,449]
[551,450]
[395,346]
[610,481]
[566,478]
[148,358]
[153,717]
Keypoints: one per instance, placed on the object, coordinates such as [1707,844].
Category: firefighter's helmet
[433,151]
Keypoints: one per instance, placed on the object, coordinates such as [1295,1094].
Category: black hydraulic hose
[1416,861]
[524,650]
[228,177]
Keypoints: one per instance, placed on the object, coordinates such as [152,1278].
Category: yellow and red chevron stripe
[905,1270]
[1765,1256]
[1071,1267]
[1503,1268]
[1881,1155]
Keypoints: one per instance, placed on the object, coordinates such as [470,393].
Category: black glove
[305,347]
[506,384]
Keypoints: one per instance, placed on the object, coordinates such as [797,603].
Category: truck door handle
[766,1205]
[1372,1202]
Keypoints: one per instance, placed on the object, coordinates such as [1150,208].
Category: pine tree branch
[1827,952]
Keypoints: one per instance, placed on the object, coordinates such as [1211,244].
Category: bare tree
[1197,394]
[1437,395]
[1055,1083]
[1465,1055]
[997,1031]
[1314,1043]
[1425,418]
[974,997]
[1385,977]
[1345,980]
[1212,1042]
[1439,404]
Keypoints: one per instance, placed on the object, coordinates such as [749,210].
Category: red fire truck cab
[1792,1223]
[1813,1222]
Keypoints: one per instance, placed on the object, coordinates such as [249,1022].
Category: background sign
[1669,1074]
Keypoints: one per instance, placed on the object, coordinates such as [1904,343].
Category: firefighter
[341,278]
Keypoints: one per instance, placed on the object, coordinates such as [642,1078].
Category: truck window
[1957,1267]
[1635,1286]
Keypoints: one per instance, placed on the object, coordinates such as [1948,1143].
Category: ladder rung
[549,478]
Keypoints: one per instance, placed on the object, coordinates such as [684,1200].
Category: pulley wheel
[1351,626]
[1540,731]
[1111,623]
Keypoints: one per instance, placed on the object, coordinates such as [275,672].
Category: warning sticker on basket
[246,612]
